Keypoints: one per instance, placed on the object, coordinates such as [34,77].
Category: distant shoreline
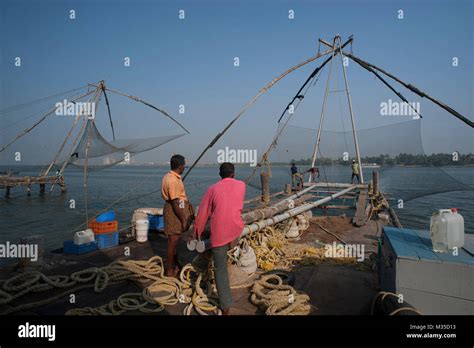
[279,164]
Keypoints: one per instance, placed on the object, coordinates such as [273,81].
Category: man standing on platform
[223,204]
[178,212]
[355,171]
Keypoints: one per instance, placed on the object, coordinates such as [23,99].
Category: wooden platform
[7,182]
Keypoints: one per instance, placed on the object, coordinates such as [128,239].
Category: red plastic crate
[103,227]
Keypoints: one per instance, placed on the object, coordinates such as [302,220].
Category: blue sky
[190,62]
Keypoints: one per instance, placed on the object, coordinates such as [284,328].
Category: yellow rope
[194,288]
[279,299]
[162,291]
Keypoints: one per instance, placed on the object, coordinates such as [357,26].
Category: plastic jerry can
[84,237]
[447,230]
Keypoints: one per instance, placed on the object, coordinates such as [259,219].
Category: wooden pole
[321,118]
[265,180]
[62,185]
[349,100]
[259,214]
[28,186]
[375,182]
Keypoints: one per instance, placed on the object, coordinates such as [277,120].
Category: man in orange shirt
[178,212]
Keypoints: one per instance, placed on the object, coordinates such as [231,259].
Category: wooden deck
[328,283]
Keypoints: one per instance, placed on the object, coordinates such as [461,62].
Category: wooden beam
[360,217]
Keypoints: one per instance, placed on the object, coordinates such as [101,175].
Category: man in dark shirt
[294,169]
[296,177]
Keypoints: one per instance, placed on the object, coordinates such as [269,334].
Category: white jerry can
[84,237]
[447,230]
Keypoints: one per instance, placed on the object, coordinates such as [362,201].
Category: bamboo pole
[321,118]
[349,100]
[413,89]
[259,214]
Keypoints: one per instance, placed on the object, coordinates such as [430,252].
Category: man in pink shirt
[223,204]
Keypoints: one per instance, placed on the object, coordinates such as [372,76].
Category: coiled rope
[162,291]
[279,299]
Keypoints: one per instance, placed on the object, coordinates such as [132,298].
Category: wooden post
[265,180]
[28,186]
[375,182]
[62,185]
[7,191]
[288,189]
[42,188]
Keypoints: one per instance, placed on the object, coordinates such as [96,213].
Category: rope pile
[275,298]
[274,249]
[159,290]
[195,287]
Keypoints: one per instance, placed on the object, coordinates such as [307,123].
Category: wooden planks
[360,215]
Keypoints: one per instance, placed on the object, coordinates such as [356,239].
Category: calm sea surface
[421,191]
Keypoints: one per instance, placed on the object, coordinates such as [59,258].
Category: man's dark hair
[226,170]
[176,161]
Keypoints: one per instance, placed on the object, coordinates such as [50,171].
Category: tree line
[435,159]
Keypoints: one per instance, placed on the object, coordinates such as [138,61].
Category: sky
[190,62]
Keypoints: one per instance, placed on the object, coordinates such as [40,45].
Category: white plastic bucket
[141,230]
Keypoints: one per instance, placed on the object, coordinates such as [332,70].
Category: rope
[162,291]
[195,287]
[250,103]
[398,310]
[20,106]
[281,129]
[279,299]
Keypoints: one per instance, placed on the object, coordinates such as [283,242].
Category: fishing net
[100,153]
[415,184]
[396,151]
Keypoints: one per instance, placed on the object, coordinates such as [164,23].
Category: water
[54,216]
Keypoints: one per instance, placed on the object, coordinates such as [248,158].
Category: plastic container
[103,227]
[106,217]
[107,240]
[447,230]
[84,237]
[141,230]
[70,248]
[156,222]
